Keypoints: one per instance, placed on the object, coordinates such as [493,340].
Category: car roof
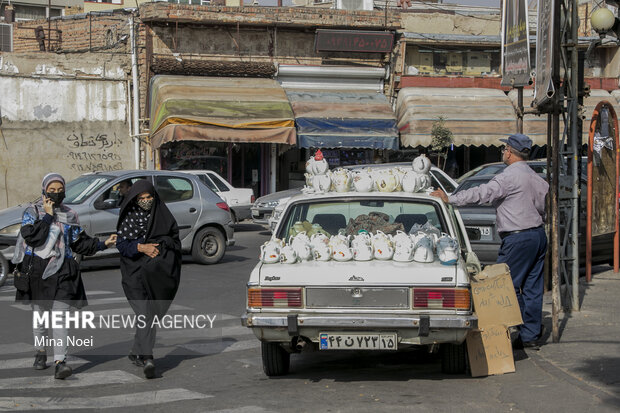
[135,172]
[353,195]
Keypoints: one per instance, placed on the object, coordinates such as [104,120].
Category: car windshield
[78,190]
[483,170]
[472,183]
[350,216]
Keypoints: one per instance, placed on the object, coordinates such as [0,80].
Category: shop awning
[475,116]
[343,119]
[219,109]
[536,126]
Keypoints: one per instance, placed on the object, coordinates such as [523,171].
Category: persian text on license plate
[485,233]
[358,341]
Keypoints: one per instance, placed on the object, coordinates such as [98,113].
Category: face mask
[145,204]
[56,197]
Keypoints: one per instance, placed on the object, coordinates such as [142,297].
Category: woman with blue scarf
[48,239]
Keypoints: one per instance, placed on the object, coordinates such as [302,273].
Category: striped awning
[220,109]
[343,119]
[476,116]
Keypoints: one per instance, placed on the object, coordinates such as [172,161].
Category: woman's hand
[48,205]
[110,241]
[149,249]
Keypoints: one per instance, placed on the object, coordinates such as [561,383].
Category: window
[220,185]
[6,37]
[78,190]
[112,197]
[172,189]
[371,214]
[443,182]
[205,180]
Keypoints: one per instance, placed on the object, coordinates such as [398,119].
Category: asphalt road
[219,369]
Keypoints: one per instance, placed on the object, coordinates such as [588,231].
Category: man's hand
[110,241]
[149,249]
[48,205]
[441,194]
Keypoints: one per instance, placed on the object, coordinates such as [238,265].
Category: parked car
[204,219]
[370,305]
[239,200]
[266,209]
[480,219]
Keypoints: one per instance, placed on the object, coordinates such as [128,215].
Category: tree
[442,139]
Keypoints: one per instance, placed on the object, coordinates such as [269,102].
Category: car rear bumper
[411,329]
[242,211]
[261,215]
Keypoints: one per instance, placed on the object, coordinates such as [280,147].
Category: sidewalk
[588,353]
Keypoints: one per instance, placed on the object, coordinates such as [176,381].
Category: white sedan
[239,200]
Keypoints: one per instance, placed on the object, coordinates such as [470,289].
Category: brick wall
[79,33]
[282,16]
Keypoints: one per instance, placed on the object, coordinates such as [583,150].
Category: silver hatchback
[204,219]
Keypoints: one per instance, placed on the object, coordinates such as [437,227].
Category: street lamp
[602,20]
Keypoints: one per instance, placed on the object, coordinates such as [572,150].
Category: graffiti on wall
[92,153]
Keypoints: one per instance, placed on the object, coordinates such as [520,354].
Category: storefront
[235,126]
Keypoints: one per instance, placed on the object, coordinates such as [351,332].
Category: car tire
[5,270]
[209,246]
[276,360]
[453,358]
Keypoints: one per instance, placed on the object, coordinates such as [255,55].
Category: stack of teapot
[419,246]
[320,179]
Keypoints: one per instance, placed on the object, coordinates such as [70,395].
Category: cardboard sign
[490,351]
[495,301]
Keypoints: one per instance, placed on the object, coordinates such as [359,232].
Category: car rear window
[349,216]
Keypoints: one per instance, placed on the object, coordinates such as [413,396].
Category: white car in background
[239,200]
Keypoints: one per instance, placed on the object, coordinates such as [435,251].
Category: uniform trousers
[524,253]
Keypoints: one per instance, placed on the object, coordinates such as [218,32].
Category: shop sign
[353,41]
[515,44]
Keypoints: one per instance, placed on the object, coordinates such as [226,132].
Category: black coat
[159,277]
[64,285]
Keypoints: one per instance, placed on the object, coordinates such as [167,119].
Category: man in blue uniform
[518,194]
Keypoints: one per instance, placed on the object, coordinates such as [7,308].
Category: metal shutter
[6,37]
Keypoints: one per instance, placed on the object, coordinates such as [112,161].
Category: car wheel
[453,358]
[209,246]
[276,360]
[5,269]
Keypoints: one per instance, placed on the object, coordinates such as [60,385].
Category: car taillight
[223,205]
[252,199]
[458,298]
[274,297]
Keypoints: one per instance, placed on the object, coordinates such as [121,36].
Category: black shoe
[149,368]
[531,345]
[40,360]
[62,370]
[138,361]
[517,343]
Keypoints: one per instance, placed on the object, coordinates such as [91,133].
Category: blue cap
[518,141]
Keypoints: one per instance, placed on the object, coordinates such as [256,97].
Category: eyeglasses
[504,148]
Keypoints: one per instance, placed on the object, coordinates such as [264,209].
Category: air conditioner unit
[354,4]
[6,37]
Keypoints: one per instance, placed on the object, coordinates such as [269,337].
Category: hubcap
[209,245]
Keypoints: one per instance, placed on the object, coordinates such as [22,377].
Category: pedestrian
[49,236]
[148,240]
[518,194]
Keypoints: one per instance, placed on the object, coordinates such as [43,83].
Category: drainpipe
[136,97]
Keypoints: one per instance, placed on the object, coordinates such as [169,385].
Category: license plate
[485,233]
[358,341]
[255,213]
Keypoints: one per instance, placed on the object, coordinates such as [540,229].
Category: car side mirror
[106,204]
[473,234]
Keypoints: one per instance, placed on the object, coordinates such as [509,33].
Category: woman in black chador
[148,240]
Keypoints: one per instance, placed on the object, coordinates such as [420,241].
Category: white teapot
[270,251]
[320,165]
[321,183]
[339,239]
[308,177]
[362,181]
[380,236]
[310,165]
[341,180]
[385,180]
[322,252]
[411,182]
[383,250]
[362,252]
[341,252]
[288,255]
[403,252]
[424,182]
[400,174]
[421,164]
[318,240]
[401,238]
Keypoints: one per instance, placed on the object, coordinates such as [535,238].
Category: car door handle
[192,210]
